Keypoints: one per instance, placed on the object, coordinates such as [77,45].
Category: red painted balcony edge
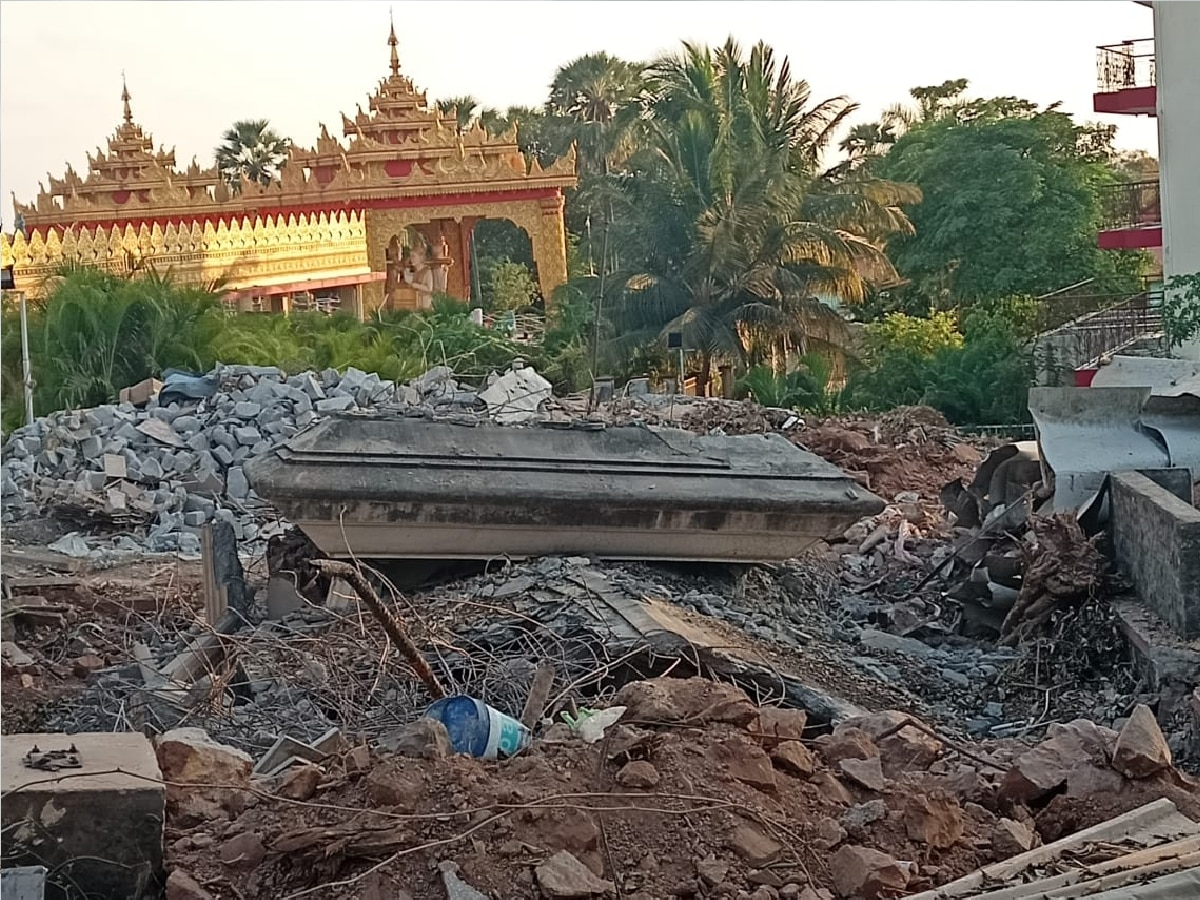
[1130,238]
[1136,101]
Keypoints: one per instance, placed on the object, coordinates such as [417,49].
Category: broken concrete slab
[106,824]
[621,492]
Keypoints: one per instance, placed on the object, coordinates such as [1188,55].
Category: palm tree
[731,227]
[597,98]
[253,152]
[463,108]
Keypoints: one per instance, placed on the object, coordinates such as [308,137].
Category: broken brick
[638,774]
[782,723]
[846,743]
[865,772]
[795,758]
[754,845]
[934,819]
[866,873]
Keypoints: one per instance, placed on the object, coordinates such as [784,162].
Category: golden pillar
[549,240]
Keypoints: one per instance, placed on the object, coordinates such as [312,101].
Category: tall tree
[1011,200]
[713,217]
[463,108]
[251,151]
[534,131]
[597,98]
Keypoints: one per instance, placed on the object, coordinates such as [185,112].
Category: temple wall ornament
[403,162]
[241,253]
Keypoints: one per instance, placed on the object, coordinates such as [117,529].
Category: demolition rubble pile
[318,770]
[695,791]
[152,476]
[758,769]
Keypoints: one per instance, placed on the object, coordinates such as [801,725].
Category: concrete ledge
[99,832]
[1156,537]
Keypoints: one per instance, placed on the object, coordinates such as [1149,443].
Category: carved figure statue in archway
[418,275]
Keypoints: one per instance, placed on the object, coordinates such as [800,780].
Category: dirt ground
[381,829]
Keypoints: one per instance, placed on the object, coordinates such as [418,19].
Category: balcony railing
[1129,64]
[1131,205]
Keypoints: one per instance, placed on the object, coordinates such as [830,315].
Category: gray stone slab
[91,447]
[236,485]
[247,410]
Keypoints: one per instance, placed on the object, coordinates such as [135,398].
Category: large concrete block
[1156,537]
[93,827]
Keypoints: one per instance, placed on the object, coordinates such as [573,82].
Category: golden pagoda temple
[384,219]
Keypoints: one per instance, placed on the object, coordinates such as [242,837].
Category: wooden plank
[1090,879]
[216,596]
[1150,824]
[539,695]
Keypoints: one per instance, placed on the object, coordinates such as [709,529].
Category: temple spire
[392,42]
[125,98]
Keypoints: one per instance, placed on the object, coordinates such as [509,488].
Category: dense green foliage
[1011,200]
[1181,308]
[979,375]
[98,333]
[722,226]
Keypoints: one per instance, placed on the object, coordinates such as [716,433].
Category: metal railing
[1129,64]
[1077,302]
[1088,337]
[1135,204]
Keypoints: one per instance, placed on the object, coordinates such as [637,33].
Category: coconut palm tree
[251,152]
[729,226]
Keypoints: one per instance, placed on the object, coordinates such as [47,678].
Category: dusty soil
[497,820]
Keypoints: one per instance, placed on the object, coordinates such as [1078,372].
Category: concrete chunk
[108,827]
[335,404]
[247,436]
[1157,541]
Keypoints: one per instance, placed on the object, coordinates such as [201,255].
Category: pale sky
[194,68]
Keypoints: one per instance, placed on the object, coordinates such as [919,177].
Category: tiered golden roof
[128,180]
[399,148]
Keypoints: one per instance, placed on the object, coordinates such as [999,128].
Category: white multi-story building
[1159,77]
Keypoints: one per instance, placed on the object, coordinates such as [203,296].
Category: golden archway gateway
[324,226]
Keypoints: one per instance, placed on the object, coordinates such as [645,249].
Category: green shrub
[900,333]
[980,377]
[806,388]
[1181,309]
[512,287]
